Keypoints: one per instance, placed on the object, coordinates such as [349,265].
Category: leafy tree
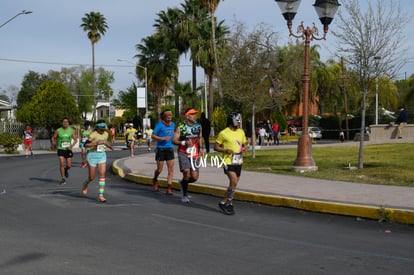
[406,94]
[49,105]
[80,83]
[219,119]
[85,93]
[30,84]
[104,80]
[324,86]
[127,100]
[360,43]
[68,77]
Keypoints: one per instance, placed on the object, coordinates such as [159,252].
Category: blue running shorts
[95,158]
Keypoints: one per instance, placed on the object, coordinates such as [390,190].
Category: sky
[51,37]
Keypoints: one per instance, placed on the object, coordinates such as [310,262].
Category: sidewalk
[379,202]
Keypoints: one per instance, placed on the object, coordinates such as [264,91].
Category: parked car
[315,132]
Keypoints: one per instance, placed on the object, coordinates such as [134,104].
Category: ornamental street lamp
[20,13]
[326,10]
[376,58]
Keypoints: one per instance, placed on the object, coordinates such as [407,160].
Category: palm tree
[180,26]
[160,58]
[204,55]
[193,14]
[184,91]
[94,23]
[211,6]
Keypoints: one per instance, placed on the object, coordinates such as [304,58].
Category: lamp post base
[304,161]
[302,169]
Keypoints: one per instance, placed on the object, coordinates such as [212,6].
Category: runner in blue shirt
[163,133]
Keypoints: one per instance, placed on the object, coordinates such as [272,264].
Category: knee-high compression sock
[156,174]
[101,184]
[184,187]
[230,194]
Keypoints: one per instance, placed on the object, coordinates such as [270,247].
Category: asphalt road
[50,229]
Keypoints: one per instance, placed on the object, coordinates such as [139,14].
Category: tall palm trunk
[210,96]
[213,44]
[93,82]
[194,72]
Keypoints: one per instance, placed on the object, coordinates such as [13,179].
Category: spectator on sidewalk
[275,129]
[206,128]
[401,121]
[342,135]
[232,143]
[269,132]
[28,141]
[262,135]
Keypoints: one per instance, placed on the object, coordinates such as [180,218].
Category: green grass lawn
[387,164]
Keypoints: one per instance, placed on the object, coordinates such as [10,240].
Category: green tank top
[85,135]
[64,139]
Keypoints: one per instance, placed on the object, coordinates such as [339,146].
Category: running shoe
[66,173]
[155,185]
[222,206]
[169,191]
[226,208]
[85,189]
[230,209]
[84,164]
[62,182]
[101,198]
[185,199]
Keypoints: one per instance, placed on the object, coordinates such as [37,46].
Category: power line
[62,63]
[74,64]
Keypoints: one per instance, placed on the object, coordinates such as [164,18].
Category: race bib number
[100,148]
[191,150]
[84,139]
[65,144]
[237,159]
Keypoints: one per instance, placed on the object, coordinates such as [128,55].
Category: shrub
[10,142]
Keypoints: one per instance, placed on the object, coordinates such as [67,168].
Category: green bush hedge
[10,142]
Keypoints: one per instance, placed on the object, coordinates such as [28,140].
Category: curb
[403,216]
